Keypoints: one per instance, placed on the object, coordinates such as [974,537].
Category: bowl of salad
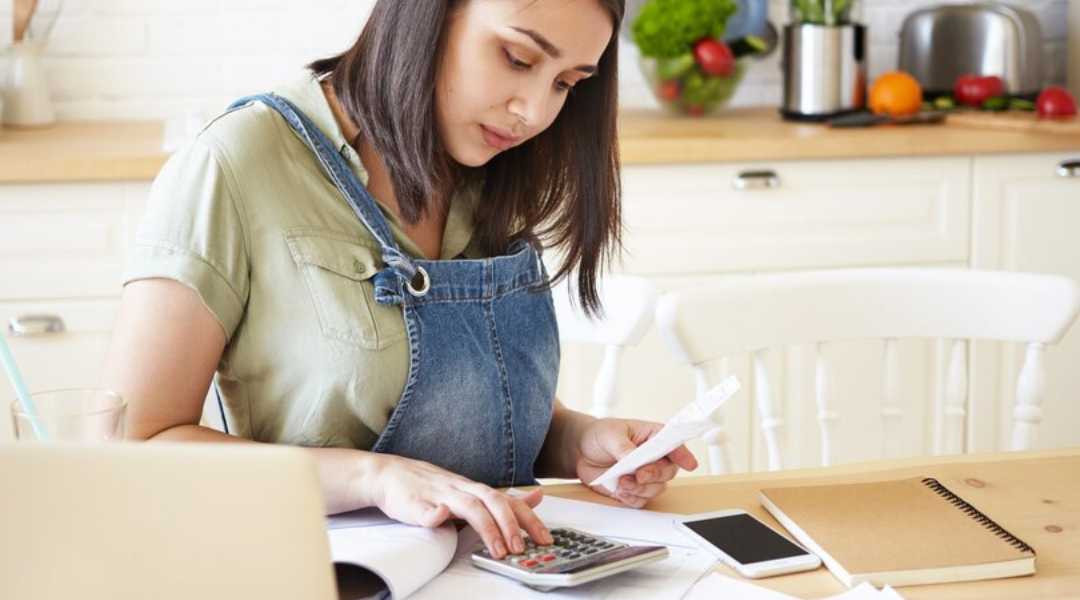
[687,65]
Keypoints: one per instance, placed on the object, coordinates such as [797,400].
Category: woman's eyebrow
[549,48]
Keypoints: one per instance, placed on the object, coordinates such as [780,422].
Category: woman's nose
[528,105]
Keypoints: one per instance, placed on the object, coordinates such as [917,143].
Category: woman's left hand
[604,441]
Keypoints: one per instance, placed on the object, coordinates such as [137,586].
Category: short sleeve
[193,232]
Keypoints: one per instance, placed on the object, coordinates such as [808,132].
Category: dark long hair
[561,186]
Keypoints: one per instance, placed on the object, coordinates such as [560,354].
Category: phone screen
[744,538]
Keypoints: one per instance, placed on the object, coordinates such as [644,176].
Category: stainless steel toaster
[940,43]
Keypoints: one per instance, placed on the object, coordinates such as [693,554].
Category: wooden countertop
[757,134]
[118,151]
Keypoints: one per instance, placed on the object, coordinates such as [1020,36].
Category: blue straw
[21,392]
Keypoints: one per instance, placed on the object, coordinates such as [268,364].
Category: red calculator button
[529,563]
[547,558]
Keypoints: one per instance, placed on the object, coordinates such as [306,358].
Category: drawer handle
[756,180]
[32,325]
[1068,168]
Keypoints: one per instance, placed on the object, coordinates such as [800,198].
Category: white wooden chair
[747,316]
[629,306]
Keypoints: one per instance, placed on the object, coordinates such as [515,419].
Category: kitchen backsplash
[147,59]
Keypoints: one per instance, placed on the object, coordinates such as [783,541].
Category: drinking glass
[75,415]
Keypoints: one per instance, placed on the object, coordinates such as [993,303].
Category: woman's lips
[497,139]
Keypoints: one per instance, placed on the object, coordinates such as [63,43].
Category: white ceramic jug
[26,101]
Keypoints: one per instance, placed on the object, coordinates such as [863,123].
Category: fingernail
[517,544]
[547,538]
[500,549]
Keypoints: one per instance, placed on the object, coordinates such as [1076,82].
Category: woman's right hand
[423,494]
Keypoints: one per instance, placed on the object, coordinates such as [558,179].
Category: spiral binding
[976,514]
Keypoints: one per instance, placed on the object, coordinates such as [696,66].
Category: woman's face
[508,68]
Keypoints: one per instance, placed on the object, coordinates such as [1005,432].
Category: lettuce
[669,28]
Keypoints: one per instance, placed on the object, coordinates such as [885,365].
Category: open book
[903,532]
[402,556]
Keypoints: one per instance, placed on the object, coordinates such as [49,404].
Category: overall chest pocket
[337,269]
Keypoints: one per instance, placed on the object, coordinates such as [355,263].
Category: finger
[631,500]
[531,523]
[644,490]
[504,509]
[683,458]
[475,512]
[661,470]
[533,497]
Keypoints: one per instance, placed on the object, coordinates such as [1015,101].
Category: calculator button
[529,562]
[547,558]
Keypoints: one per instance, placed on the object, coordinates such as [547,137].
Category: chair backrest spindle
[892,414]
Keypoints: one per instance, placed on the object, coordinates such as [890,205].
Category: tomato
[974,89]
[1055,101]
[714,56]
[669,91]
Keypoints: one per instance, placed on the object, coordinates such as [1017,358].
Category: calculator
[576,557]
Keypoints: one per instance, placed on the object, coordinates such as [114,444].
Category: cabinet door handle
[755,180]
[31,325]
[1068,168]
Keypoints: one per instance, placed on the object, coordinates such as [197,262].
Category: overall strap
[345,180]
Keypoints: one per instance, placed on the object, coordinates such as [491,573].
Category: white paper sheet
[716,586]
[633,524]
[865,591]
[691,422]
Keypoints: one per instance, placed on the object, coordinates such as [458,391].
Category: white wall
[147,59]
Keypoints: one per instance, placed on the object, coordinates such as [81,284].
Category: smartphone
[747,545]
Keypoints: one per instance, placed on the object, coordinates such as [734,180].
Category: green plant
[669,28]
[822,12]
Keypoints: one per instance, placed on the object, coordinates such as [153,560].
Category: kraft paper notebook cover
[903,532]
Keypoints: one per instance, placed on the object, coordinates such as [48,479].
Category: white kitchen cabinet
[1027,218]
[62,250]
[694,219]
[688,224]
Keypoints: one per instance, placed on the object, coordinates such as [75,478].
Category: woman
[355,257]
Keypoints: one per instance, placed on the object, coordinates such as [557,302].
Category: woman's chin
[475,159]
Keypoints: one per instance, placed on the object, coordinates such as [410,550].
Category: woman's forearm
[560,452]
[342,472]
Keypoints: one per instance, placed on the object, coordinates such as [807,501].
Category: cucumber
[746,45]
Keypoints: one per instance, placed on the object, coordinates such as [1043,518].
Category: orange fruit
[895,93]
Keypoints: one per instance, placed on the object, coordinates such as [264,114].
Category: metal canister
[824,71]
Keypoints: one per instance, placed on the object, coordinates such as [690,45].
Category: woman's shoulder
[245,132]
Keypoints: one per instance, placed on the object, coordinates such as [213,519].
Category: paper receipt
[690,422]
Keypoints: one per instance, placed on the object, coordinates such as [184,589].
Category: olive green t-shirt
[246,217]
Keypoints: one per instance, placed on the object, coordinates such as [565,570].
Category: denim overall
[483,342]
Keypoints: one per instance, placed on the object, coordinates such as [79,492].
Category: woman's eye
[563,86]
[514,62]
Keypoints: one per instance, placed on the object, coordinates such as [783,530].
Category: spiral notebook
[902,532]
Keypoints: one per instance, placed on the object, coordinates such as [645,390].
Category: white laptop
[161,521]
